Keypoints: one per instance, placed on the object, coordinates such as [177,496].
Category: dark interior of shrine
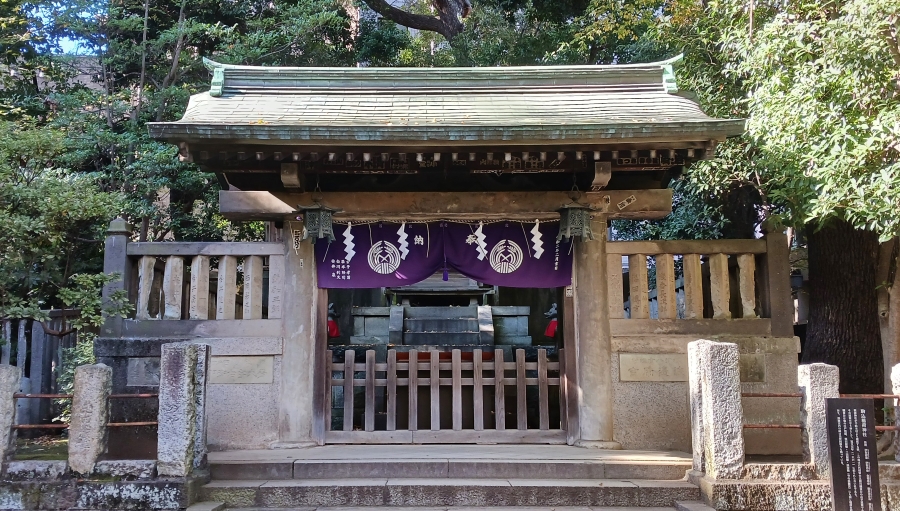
[444,315]
[362,315]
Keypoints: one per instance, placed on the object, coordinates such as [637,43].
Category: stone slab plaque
[142,372]
[658,367]
[753,367]
[853,454]
[241,369]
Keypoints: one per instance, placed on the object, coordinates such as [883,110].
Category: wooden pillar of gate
[590,388]
[300,409]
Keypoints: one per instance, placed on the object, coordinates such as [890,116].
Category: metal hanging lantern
[318,222]
[575,220]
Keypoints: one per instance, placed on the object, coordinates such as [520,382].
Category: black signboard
[854,461]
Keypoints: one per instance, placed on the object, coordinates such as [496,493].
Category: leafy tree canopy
[818,83]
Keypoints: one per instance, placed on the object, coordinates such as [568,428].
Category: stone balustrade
[722,280]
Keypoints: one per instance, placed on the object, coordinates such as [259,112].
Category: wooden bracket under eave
[602,174]
[291,177]
[709,152]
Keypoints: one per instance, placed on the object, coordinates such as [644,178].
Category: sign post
[853,455]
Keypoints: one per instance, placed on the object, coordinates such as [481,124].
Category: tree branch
[56,333]
[447,23]
[176,59]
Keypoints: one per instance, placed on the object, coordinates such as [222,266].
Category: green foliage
[50,222]
[828,74]
[80,354]
[496,35]
[84,295]
[819,87]
[693,218]
[610,32]
[293,33]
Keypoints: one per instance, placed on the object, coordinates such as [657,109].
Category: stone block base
[448,492]
[123,485]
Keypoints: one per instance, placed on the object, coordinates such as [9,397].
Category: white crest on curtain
[348,243]
[404,245]
[482,246]
[536,244]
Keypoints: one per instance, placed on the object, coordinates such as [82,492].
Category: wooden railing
[492,397]
[174,280]
[723,280]
[38,356]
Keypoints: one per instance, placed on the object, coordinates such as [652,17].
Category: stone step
[442,338]
[452,468]
[769,495]
[692,505]
[440,325]
[440,313]
[448,492]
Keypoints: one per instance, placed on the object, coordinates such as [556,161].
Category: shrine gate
[421,202]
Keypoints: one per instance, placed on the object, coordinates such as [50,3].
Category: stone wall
[243,387]
[649,375]
[650,390]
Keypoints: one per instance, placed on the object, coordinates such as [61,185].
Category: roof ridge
[211,65]
[394,78]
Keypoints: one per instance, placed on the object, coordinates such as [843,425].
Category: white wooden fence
[480,397]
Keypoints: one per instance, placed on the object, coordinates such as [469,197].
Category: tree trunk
[886,272]
[843,325]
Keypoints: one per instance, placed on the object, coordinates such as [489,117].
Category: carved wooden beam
[262,205]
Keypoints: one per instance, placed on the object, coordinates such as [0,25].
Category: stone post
[695,394]
[720,408]
[593,342]
[895,385]
[178,421]
[777,281]
[817,383]
[201,374]
[9,384]
[90,413]
[115,260]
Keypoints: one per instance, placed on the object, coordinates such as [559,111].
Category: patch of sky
[58,41]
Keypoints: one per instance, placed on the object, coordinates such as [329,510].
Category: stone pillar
[895,385]
[721,409]
[695,394]
[9,384]
[201,373]
[593,343]
[304,343]
[777,281]
[817,383]
[115,260]
[90,413]
[178,421]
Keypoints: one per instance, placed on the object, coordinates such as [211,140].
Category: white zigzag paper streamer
[348,243]
[482,246]
[537,244]
[404,246]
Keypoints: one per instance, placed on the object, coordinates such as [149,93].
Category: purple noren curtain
[387,254]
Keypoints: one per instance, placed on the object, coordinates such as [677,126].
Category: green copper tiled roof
[475,106]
